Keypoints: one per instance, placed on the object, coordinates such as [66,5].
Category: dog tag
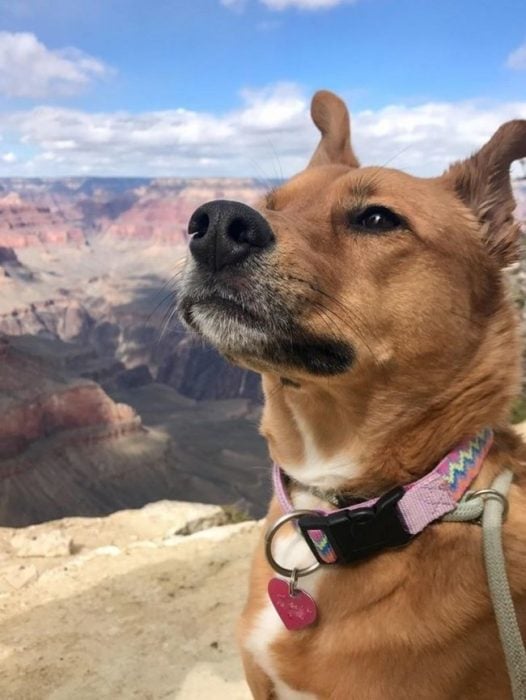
[295,607]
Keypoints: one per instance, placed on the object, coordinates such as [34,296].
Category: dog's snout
[225,233]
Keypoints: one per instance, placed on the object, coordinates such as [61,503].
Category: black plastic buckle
[359,533]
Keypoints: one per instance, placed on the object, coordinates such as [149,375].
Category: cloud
[268,136]
[29,69]
[517,59]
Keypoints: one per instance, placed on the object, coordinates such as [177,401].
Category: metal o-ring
[269,536]
[491,495]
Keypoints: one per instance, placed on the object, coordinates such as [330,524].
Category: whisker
[167,297]
[280,174]
[351,311]
[353,328]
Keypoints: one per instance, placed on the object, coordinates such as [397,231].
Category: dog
[374,306]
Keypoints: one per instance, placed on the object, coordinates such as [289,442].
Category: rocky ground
[141,604]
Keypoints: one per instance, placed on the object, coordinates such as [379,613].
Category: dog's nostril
[237,230]
[198,225]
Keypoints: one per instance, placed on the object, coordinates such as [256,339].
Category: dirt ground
[147,618]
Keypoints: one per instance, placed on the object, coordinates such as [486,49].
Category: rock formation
[37,404]
[25,224]
[198,371]
[68,448]
[8,256]
[125,606]
[62,318]
[71,210]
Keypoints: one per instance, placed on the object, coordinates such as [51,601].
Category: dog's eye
[376,220]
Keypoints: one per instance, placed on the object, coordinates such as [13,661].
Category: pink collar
[351,533]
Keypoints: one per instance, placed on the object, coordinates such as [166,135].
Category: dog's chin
[229,328]
[263,345]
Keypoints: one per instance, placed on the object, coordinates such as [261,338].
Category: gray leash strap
[492,504]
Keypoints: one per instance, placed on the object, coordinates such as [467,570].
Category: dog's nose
[225,233]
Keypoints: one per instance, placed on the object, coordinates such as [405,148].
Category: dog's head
[362,275]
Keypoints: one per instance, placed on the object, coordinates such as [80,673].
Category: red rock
[56,212]
[37,403]
[24,224]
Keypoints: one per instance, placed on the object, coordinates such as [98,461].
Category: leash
[492,505]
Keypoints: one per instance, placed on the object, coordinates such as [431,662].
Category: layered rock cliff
[25,224]
[36,404]
[68,448]
[37,212]
[198,371]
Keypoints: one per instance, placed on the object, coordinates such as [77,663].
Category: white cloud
[9,157]
[269,135]
[29,69]
[517,59]
[424,139]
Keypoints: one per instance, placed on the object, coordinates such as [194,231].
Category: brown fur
[437,359]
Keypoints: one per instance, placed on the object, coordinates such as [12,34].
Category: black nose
[226,233]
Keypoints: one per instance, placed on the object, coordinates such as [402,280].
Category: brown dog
[374,306]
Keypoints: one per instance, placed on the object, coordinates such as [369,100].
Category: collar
[348,534]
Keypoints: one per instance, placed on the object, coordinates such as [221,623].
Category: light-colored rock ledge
[124,606]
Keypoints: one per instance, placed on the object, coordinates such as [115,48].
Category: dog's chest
[291,551]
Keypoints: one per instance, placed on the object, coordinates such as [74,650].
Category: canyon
[106,401]
[37,211]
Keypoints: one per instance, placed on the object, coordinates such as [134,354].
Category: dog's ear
[483,183]
[330,115]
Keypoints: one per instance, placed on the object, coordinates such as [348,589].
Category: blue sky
[221,87]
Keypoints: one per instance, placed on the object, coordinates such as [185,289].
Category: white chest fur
[291,551]
[317,470]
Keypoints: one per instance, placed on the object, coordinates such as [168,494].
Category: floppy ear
[483,183]
[330,115]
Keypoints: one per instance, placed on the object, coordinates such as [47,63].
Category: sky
[222,87]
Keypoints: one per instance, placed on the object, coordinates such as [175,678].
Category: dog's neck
[363,437]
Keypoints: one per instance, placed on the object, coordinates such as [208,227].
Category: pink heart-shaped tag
[296,611]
